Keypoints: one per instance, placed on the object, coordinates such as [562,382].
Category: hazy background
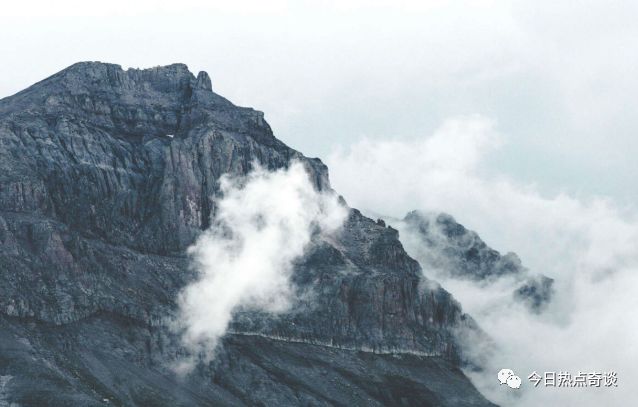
[514,116]
[588,245]
[560,81]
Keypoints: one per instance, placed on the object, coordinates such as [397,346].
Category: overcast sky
[514,116]
[559,82]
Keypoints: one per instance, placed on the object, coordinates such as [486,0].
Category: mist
[587,245]
[263,222]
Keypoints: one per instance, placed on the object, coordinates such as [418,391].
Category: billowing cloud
[263,222]
[588,246]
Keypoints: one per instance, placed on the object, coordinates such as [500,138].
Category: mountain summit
[107,176]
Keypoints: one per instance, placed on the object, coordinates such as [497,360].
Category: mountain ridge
[449,250]
[107,177]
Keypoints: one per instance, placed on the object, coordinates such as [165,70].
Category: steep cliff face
[106,177]
[128,156]
[367,293]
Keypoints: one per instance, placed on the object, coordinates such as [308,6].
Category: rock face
[106,177]
[444,245]
[449,245]
[536,292]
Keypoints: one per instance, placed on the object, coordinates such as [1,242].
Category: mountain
[445,247]
[107,176]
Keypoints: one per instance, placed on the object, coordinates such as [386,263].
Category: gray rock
[461,252]
[536,292]
[106,177]
[446,246]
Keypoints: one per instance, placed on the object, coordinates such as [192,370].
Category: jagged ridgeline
[107,176]
[449,250]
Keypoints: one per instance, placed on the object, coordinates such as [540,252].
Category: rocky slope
[447,248]
[106,177]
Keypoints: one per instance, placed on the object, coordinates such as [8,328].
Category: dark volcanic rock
[106,177]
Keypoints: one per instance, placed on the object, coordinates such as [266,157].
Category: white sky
[559,81]
[533,101]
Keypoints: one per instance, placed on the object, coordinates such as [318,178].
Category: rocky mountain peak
[132,103]
[87,76]
[130,153]
[107,176]
[461,251]
[448,249]
[203,81]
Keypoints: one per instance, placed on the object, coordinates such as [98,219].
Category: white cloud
[263,223]
[587,246]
